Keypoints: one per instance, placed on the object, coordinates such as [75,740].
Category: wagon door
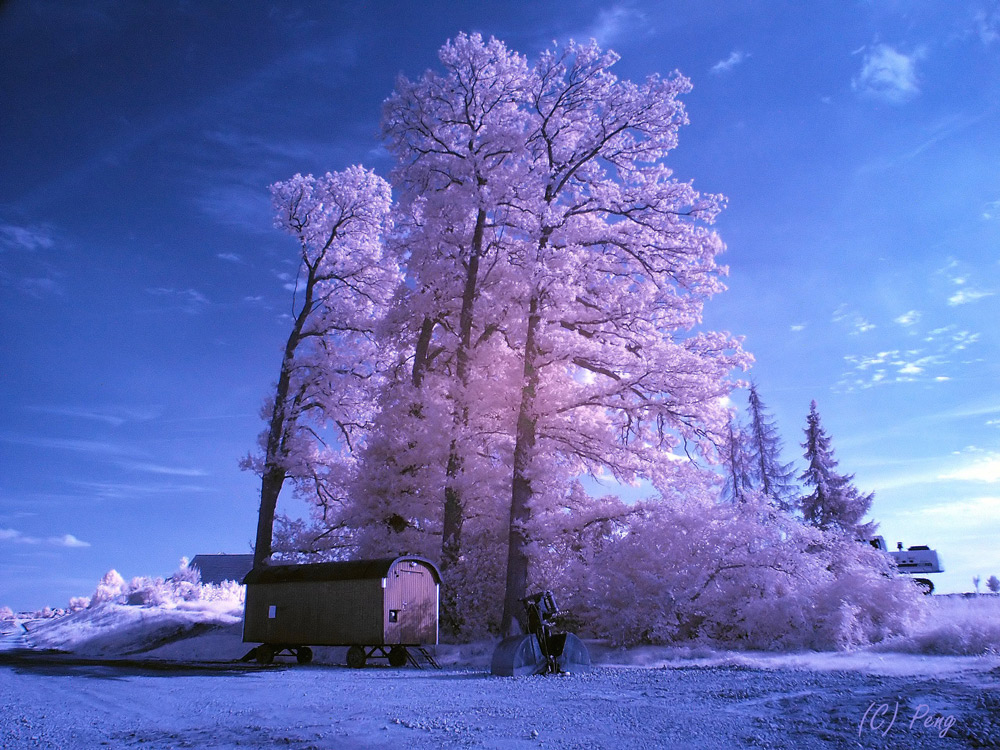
[410,604]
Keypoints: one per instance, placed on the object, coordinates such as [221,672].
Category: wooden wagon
[378,608]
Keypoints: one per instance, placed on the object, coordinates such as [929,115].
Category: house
[219,568]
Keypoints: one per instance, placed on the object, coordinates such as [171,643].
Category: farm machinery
[912,561]
[544,649]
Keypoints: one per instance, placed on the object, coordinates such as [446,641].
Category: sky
[144,295]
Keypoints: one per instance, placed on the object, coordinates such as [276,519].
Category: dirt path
[90,705]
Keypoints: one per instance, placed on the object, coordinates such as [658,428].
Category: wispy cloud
[614,25]
[31,238]
[736,57]
[971,466]
[66,540]
[112,415]
[987,25]
[908,319]
[162,470]
[965,296]
[291,283]
[991,210]
[190,301]
[974,465]
[133,491]
[231,257]
[856,322]
[952,338]
[959,275]
[797,327]
[926,363]
[40,287]
[888,74]
[243,207]
[80,446]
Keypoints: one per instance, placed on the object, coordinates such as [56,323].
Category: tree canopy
[469,364]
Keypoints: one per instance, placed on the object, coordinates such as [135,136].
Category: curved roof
[346,570]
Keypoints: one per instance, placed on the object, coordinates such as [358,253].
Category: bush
[110,589]
[183,586]
[742,576]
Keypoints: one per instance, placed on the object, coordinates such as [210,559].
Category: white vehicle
[917,559]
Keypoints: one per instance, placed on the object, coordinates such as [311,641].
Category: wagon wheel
[265,653]
[397,656]
[356,657]
[303,655]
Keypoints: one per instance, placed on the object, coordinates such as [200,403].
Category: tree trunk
[274,473]
[451,542]
[420,354]
[520,506]
[270,487]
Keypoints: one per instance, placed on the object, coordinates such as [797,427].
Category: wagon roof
[346,570]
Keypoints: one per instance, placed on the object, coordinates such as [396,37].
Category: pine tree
[738,481]
[835,503]
[774,479]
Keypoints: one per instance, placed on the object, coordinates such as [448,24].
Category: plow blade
[574,656]
[522,655]
[517,656]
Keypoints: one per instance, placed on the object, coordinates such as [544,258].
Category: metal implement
[913,561]
[543,650]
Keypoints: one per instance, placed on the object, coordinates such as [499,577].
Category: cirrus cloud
[888,74]
[736,57]
[66,540]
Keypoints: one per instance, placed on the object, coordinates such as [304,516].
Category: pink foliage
[533,318]
[742,576]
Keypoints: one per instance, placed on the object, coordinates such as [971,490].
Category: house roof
[219,568]
[334,571]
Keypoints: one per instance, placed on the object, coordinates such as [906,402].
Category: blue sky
[144,295]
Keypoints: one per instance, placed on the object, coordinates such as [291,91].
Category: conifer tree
[774,479]
[834,503]
[738,482]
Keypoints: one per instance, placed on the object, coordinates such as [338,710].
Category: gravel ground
[46,703]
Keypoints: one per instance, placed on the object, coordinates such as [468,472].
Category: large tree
[834,503]
[548,327]
[330,362]
[616,262]
[458,139]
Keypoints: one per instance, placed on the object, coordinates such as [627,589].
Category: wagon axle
[358,656]
[265,653]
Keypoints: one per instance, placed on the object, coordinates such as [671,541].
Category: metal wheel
[356,657]
[397,656]
[303,655]
[265,653]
